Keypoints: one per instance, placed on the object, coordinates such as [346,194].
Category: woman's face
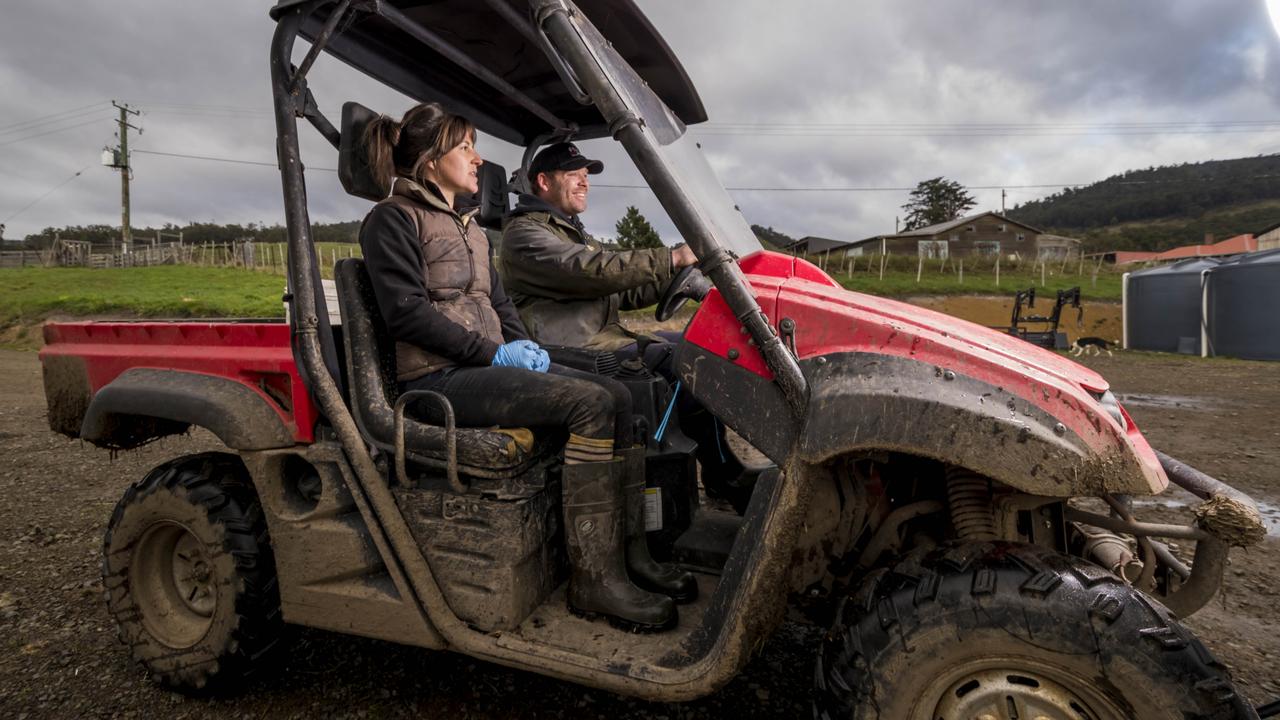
[455,171]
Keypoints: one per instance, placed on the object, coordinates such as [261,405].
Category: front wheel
[996,630]
[189,574]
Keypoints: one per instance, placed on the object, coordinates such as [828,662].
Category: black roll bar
[553,17]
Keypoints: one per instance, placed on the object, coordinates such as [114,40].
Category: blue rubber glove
[522,354]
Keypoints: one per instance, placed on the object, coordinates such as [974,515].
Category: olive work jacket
[567,285]
[436,289]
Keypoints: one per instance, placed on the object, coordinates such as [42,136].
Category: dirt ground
[60,657]
[1092,319]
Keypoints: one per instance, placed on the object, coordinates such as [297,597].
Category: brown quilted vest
[455,270]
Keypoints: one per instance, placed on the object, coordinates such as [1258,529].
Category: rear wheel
[189,574]
[996,630]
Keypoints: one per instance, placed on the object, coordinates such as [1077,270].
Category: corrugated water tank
[1162,307]
[1243,307]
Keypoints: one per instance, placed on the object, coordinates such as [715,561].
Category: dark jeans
[583,403]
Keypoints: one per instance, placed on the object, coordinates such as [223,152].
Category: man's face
[565,190]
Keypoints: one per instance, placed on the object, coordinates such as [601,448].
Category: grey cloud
[754,61]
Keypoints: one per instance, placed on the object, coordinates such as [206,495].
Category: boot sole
[625,625]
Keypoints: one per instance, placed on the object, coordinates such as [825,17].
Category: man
[569,289]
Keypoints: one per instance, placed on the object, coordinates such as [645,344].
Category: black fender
[144,404]
[868,401]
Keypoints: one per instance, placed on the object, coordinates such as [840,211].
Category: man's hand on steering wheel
[688,283]
[682,256]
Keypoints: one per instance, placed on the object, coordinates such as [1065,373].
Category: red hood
[890,322]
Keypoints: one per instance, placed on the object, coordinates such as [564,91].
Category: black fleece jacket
[393,255]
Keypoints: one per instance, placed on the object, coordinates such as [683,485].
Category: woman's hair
[425,133]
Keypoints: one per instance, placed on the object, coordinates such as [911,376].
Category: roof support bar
[437,43]
[318,46]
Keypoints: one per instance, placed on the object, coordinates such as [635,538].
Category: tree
[635,233]
[936,201]
[772,239]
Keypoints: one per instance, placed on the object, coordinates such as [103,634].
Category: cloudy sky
[822,98]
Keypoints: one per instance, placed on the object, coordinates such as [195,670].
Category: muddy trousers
[589,406]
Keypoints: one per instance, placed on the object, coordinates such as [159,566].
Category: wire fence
[245,253]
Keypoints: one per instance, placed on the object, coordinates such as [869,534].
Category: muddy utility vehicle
[952,502]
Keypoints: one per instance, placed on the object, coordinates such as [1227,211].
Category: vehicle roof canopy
[391,41]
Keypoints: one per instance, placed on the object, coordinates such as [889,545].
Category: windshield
[679,154]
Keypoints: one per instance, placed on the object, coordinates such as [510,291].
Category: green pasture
[28,296]
[907,276]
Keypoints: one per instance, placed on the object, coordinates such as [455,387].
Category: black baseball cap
[562,156]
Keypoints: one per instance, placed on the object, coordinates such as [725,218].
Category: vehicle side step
[706,544]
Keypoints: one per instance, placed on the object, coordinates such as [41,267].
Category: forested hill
[1163,207]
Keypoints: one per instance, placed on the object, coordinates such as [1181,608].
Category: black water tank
[1162,308]
[1244,307]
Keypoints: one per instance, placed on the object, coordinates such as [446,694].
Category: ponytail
[403,149]
[380,138]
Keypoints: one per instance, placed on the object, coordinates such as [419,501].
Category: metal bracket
[787,333]
[450,437]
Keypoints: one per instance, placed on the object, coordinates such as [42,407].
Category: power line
[33,121]
[50,191]
[49,123]
[50,132]
[616,186]
[224,160]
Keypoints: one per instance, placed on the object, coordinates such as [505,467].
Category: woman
[458,334]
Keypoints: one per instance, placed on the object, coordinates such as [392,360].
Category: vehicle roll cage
[556,27]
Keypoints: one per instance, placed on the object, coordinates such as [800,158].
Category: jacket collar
[427,194]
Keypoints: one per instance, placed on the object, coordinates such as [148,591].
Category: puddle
[1180,402]
[1270,512]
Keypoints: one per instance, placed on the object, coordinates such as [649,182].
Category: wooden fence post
[919,268]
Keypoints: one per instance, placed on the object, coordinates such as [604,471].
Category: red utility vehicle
[953,502]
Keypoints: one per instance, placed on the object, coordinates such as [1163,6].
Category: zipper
[471,262]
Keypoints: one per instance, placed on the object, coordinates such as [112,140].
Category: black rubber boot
[646,572]
[594,534]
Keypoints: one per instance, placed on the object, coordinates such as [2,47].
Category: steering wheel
[682,287]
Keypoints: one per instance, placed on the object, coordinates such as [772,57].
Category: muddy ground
[60,658]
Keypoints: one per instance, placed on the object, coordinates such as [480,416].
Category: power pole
[1002,194]
[126,232]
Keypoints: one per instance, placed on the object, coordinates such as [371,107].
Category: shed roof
[813,243]
[939,228]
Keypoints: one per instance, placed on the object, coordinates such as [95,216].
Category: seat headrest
[353,161]
[354,174]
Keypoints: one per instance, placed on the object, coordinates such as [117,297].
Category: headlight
[1109,403]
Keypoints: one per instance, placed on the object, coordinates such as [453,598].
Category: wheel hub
[1005,693]
[174,583]
[192,576]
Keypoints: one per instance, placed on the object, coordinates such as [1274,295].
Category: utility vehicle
[952,502]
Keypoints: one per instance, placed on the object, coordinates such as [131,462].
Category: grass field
[943,278]
[167,291]
[30,295]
